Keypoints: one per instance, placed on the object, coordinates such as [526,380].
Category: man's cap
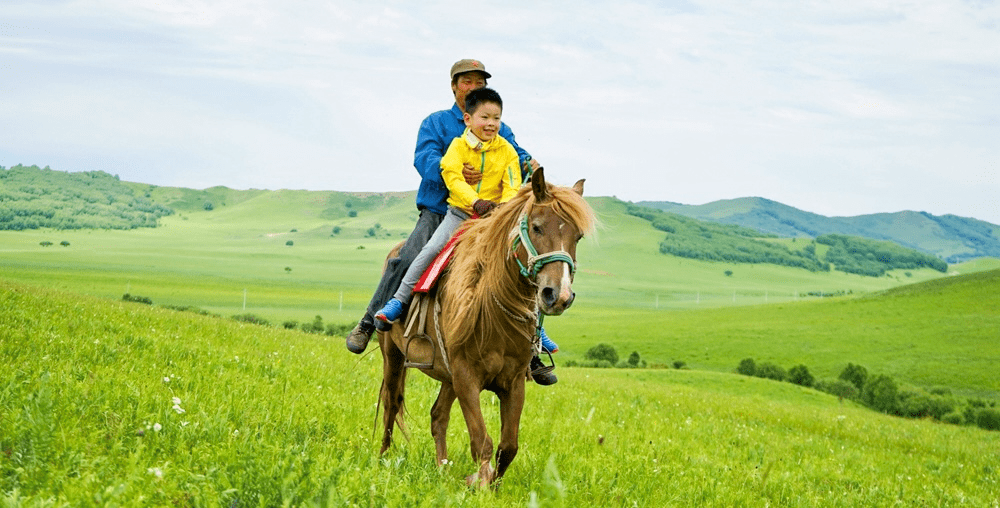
[468,65]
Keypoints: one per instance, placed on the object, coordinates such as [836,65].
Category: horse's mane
[483,271]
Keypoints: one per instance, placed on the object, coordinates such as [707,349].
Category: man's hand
[471,175]
[483,207]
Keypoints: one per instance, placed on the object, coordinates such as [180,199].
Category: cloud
[845,108]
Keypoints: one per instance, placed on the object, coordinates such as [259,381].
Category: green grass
[273,417]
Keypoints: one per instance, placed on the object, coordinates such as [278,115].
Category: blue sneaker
[391,311]
[547,343]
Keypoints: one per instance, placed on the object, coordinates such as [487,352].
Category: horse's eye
[536,229]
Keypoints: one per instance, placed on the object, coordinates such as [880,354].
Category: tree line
[694,239]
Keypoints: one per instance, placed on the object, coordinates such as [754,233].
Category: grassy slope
[273,416]
[940,333]
[628,293]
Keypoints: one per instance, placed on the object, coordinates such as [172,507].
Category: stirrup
[544,369]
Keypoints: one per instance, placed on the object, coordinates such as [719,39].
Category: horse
[507,267]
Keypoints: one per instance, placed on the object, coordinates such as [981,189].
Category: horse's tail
[392,395]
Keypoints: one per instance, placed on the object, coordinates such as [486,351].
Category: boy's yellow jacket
[496,160]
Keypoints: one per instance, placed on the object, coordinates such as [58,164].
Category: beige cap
[468,65]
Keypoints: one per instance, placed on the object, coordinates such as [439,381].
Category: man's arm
[431,146]
[522,155]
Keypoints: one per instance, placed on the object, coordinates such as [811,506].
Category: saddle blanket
[434,271]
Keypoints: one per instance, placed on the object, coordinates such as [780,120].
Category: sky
[838,108]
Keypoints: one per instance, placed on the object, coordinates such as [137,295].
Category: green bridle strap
[535,261]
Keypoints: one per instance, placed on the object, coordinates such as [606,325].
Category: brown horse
[506,268]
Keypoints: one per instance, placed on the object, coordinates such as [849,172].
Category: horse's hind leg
[511,405]
[440,415]
[393,388]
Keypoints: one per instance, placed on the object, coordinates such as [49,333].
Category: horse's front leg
[467,390]
[511,406]
[440,416]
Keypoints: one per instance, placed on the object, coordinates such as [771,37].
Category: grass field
[117,404]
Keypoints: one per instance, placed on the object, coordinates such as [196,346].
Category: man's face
[485,121]
[467,82]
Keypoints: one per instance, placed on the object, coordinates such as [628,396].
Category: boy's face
[484,122]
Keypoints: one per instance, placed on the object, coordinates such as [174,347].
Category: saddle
[424,305]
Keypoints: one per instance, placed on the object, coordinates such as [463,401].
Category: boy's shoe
[547,343]
[541,373]
[358,339]
[391,311]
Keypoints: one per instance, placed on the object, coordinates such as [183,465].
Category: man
[433,138]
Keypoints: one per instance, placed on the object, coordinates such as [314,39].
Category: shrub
[838,387]
[771,371]
[45,243]
[336,230]
[352,213]
[800,375]
[747,367]
[603,352]
[679,364]
[634,359]
[880,393]
[289,243]
[729,273]
[251,319]
[855,374]
[137,299]
[290,324]
[988,419]
[208,206]
[335,330]
[64,243]
[315,327]
[953,418]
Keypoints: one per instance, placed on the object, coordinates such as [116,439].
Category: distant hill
[33,197]
[952,238]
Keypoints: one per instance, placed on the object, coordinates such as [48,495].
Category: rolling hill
[950,237]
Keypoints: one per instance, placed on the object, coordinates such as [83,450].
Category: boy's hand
[483,207]
[472,177]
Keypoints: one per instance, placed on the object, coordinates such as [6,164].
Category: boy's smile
[485,121]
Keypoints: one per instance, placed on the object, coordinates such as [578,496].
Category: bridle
[519,236]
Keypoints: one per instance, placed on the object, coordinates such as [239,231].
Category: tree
[289,243]
[800,375]
[208,206]
[352,213]
[747,367]
[64,243]
[603,352]
[855,374]
[729,273]
[881,393]
[288,269]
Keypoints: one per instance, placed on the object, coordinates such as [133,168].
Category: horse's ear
[538,185]
[578,186]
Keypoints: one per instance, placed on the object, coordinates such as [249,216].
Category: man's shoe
[358,339]
[547,343]
[541,373]
[391,311]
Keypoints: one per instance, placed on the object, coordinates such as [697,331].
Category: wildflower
[157,427]
[155,471]
[176,400]
[179,409]
[166,379]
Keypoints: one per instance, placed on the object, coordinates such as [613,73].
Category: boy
[498,162]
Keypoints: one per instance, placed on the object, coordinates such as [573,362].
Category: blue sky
[843,108]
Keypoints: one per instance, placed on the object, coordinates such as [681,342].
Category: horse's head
[549,231]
